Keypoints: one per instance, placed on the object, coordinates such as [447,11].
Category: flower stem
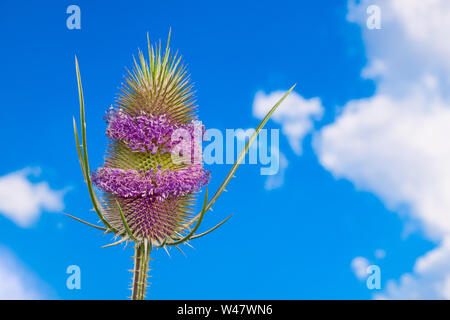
[140,273]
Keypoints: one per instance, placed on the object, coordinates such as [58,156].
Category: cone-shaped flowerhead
[152,126]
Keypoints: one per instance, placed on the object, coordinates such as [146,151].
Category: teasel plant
[145,197]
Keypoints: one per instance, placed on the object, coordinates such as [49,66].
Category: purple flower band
[159,183]
[146,132]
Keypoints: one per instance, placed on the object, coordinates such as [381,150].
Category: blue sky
[296,241]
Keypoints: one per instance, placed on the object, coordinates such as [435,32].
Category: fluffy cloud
[295,114]
[397,149]
[395,144]
[411,44]
[430,279]
[380,254]
[277,180]
[16,282]
[359,266]
[22,201]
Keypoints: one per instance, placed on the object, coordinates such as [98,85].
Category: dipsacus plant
[153,169]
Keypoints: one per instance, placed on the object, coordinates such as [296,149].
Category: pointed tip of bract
[168,37]
[77,66]
[159,85]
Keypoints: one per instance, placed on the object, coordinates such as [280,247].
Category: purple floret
[159,183]
[146,132]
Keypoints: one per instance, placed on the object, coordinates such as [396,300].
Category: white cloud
[430,279]
[380,254]
[16,281]
[397,149]
[412,41]
[395,144]
[295,114]
[277,180]
[22,201]
[359,266]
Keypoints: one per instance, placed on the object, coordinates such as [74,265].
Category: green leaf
[115,243]
[124,221]
[84,155]
[210,230]
[85,222]
[77,142]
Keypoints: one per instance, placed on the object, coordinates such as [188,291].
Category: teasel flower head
[151,127]
[153,168]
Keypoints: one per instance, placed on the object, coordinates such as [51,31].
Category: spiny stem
[140,273]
